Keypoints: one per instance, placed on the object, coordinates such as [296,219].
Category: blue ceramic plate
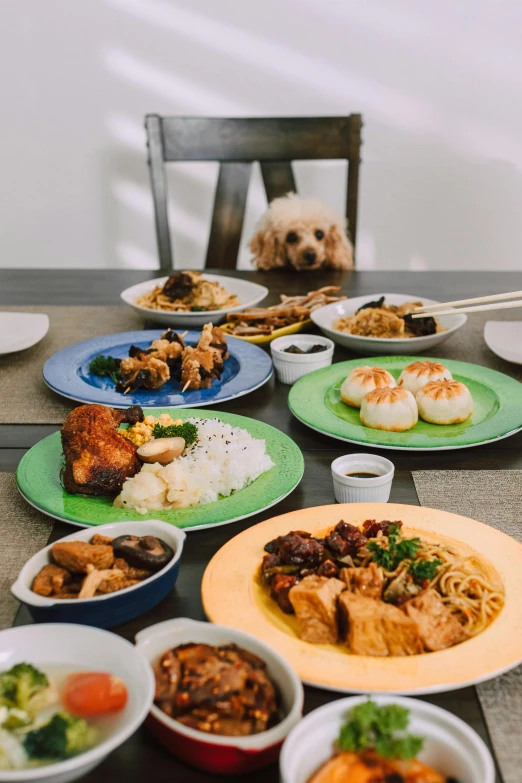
[67,373]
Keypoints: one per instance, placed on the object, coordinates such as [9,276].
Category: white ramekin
[348,489]
[290,367]
[450,745]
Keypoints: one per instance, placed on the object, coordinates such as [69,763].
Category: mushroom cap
[362,380]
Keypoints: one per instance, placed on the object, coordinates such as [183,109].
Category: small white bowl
[324,318]
[451,747]
[349,489]
[19,331]
[212,752]
[249,294]
[290,367]
[77,646]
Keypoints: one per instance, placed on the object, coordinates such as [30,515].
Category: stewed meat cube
[438,628]
[314,601]
[374,628]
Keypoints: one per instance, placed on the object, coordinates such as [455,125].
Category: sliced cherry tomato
[93,693]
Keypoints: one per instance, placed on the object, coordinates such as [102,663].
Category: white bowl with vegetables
[74,695]
[390,735]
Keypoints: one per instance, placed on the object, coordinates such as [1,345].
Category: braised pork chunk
[364,581]
[438,628]
[372,627]
[314,601]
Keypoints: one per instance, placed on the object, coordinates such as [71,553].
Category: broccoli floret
[20,684]
[63,736]
[13,718]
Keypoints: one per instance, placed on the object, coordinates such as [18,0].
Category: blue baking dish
[104,611]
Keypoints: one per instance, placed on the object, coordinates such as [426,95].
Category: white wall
[438,83]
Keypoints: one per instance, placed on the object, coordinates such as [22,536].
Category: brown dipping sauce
[363,475]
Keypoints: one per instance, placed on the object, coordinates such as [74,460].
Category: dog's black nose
[310,256]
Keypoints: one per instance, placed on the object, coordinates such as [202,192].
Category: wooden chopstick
[480,308]
[476,300]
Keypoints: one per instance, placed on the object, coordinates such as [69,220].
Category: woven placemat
[493,497]
[24,397]
[23,532]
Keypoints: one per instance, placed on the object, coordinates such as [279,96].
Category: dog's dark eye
[292,238]
[319,234]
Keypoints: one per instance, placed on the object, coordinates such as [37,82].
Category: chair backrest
[236,143]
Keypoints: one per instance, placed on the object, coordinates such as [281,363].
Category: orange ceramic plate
[233,596]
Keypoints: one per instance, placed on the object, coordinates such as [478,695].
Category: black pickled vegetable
[421,327]
[374,305]
[106,367]
[143,551]
[314,349]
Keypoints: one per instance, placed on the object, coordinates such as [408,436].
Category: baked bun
[390,409]
[445,402]
[418,374]
[362,380]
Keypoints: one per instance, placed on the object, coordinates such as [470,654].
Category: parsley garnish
[381,728]
[187,431]
[424,570]
[106,366]
[398,549]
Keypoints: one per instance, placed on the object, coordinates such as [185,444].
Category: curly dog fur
[301,234]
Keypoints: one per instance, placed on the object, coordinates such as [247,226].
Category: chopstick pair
[442,308]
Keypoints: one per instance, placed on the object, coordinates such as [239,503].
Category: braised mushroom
[143,552]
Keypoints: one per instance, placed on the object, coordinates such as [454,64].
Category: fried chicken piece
[99,539]
[69,591]
[97,458]
[200,365]
[50,580]
[131,572]
[77,556]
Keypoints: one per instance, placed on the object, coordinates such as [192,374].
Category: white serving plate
[451,747]
[248,293]
[19,331]
[505,339]
[324,318]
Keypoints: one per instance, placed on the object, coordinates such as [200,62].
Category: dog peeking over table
[301,234]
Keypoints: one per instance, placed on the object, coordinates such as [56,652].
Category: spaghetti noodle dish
[188,292]
[379,592]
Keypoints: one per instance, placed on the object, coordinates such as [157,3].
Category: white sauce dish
[352,487]
[290,367]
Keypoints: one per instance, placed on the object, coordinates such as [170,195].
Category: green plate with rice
[497,399]
[39,471]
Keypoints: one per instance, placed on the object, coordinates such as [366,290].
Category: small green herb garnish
[381,728]
[106,367]
[424,570]
[187,431]
[398,549]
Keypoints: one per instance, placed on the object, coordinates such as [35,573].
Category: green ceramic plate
[315,400]
[38,478]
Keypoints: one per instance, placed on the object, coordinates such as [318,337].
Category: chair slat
[278,179]
[227,219]
[158,181]
[259,138]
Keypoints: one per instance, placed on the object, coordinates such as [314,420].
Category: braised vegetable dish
[220,690]
[374,746]
[379,592]
[167,359]
[81,569]
[188,292]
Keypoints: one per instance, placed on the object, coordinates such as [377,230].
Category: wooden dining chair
[236,143]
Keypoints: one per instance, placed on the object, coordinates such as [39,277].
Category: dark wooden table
[141,757]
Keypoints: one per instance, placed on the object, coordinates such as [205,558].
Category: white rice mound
[225,459]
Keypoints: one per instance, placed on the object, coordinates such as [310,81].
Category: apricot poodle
[301,234]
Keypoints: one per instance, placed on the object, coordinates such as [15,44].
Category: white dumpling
[362,380]
[393,410]
[418,374]
[445,402]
